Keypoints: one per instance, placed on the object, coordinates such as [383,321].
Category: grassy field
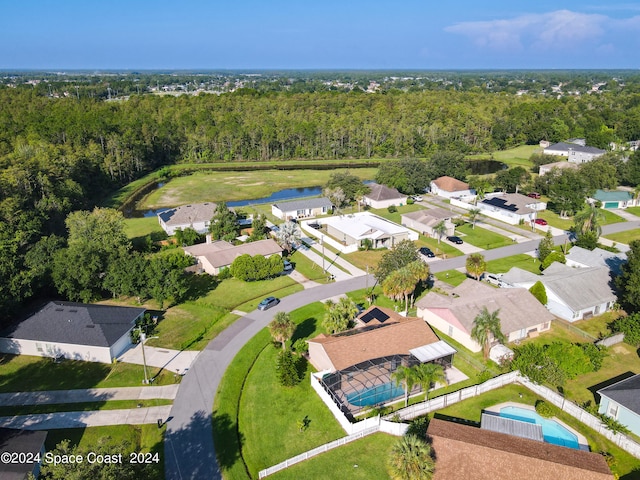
[228,186]
[624,237]
[597,326]
[141,227]
[522,260]
[610,217]
[471,410]
[23,373]
[255,419]
[554,220]
[482,238]
[452,277]
[81,407]
[517,156]
[362,459]
[309,269]
[396,217]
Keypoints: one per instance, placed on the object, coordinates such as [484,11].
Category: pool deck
[582,441]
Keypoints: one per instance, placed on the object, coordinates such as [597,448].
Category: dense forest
[61,154]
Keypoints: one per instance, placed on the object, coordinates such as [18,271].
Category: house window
[613,410]
[450,331]
[39,348]
[546,326]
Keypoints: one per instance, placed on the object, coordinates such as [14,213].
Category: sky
[319,34]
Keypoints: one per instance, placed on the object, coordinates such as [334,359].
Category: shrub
[595,353]
[458,222]
[545,409]
[287,369]
[224,274]
[554,256]
[538,291]
[630,326]
[301,346]
[410,201]
[392,209]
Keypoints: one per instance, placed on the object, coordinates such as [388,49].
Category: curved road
[188,444]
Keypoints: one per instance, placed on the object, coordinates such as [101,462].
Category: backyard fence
[612,340]
[572,328]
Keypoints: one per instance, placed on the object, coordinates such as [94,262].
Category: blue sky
[326,34]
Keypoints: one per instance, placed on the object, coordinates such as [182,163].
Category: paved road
[89,395]
[189,449]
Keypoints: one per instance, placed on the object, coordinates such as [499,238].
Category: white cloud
[552,31]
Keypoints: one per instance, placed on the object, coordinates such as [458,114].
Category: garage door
[610,204]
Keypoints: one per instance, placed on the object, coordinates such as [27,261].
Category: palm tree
[476,265]
[474,214]
[398,285]
[289,235]
[440,229]
[411,459]
[406,377]
[419,272]
[429,374]
[486,327]
[282,328]
[588,220]
[339,315]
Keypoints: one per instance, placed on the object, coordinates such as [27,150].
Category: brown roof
[360,344]
[465,452]
[382,192]
[450,184]
[219,255]
[518,307]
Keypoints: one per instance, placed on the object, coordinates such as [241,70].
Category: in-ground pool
[552,431]
[375,395]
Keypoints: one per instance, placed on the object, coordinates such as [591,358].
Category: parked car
[267,303]
[417,198]
[535,195]
[455,239]
[287,266]
[540,221]
[426,252]
[493,278]
[317,226]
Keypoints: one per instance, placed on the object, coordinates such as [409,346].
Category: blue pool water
[552,431]
[375,395]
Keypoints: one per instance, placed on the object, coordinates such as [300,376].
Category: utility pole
[143,337]
[322,243]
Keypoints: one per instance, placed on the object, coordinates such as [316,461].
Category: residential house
[572,293]
[621,401]
[611,199]
[29,445]
[575,152]
[75,331]
[544,169]
[197,216]
[213,257]
[382,196]
[454,310]
[423,221]
[467,452]
[512,208]
[353,229]
[448,187]
[299,209]
[358,364]
[583,258]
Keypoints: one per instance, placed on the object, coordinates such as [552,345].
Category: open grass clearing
[633,211]
[82,407]
[481,237]
[255,419]
[555,220]
[24,373]
[396,216]
[609,217]
[363,459]
[471,410]
[598,326]
[308,268]
[624,237]
[452,277]
[213,186]
[521,260]
[517,156]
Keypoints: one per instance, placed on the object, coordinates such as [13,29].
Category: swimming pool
[375,395]
[552,431]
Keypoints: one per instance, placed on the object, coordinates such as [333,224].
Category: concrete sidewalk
[100,418]
[167,392]
[178,361]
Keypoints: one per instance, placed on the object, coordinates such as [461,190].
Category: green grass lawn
[308,268]
[511,157]
[396,217]
[610,217]
[471,409]
[141,227]
[597,326]
[452,277]
[362,459]
[23,373]
[554,220]
[216,186]
[363,259]
[82,407]
[481,237]
[522,260]
[254,413]
[439,248]
[634,211]
[624,237]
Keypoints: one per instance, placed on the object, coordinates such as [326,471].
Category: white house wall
[377,204]
[119,347]
[319,358]
[49,349]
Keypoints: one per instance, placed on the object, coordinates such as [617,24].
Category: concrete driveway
[178,361]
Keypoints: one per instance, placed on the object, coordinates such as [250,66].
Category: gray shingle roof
[188,214]
[382,192]
[625,392]
[597,258]
[76,323]
[219,255]
[562,146]
[304,204]
[22,441]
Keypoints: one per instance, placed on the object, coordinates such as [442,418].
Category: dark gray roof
[76,323]
[189,214]
[19,441]
[625,392]
[304,204]
[382,192]
[575,147]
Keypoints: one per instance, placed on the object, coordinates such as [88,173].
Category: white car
[417,198]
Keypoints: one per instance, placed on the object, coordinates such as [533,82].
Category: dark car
[426,252]
[455,239]
[540,221]
[268,303]
[535,195]
[317,226]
